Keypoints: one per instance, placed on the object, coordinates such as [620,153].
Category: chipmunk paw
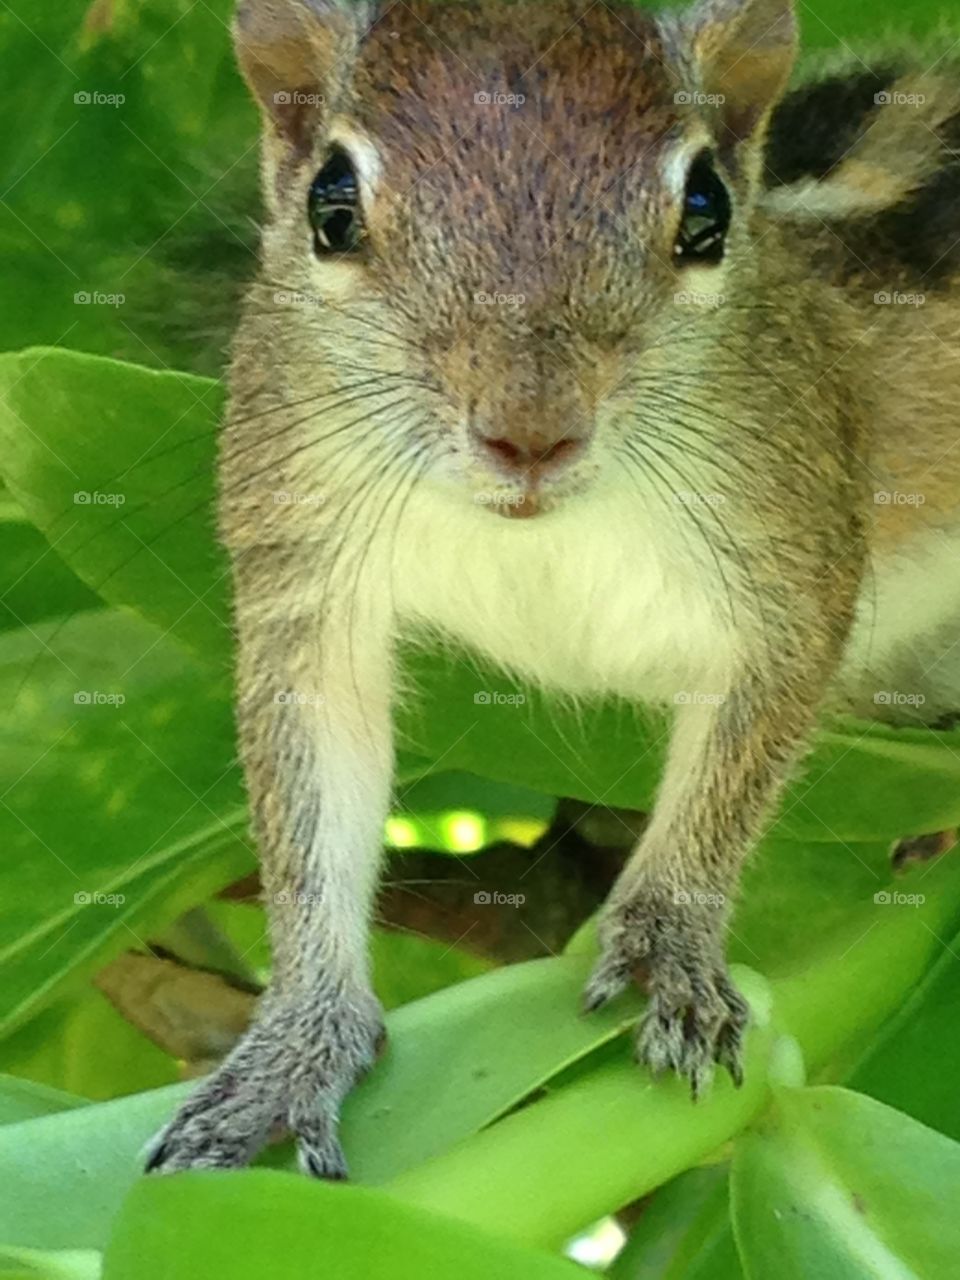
[288,1075]
[671,944]
[696,1020]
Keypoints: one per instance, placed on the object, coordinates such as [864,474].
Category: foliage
[500,1124]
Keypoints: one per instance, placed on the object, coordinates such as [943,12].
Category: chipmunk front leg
[314,722]
[666,920]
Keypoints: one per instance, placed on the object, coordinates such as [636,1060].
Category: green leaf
[36,1264]
[107,198]
[83,1045]
[115,816]
[912,1063]
[835,1185]
[34,581]
[115,465]
[65,1175]
[612,1132]
[25,1100]
[683,1233]
[262,1223]
[476,1051]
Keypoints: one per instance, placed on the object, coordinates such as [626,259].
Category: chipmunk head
[514,214]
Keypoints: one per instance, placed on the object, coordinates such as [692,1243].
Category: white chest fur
[595,597]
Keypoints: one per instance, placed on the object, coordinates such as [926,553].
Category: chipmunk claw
[607,981]
[696,1018]
[319,1153]
[694,1024]
[287,1076]
[328,1163]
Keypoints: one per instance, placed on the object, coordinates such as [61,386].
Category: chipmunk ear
[294,55]
[744,51]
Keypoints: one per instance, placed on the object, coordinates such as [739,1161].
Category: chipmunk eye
[333,206]
[706,215]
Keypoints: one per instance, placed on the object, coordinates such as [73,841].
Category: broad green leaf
[491,1043]
[615,1133]
[38,1264]
[116,815]
[115,465]
[441,792]
[25,1100]
[134,136]
[34,581]
[82,1045]
[835,1185]
[475,1051]
[263,1223]
[64,1175]
[683,1232]
[913,1062]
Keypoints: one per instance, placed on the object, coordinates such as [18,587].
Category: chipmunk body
[649,466]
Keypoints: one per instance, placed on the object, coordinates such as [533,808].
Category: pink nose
[531,455]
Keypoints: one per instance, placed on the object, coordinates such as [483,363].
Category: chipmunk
[581,341]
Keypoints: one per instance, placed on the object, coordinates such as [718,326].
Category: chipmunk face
[505,208]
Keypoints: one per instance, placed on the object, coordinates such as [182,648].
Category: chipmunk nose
[532,455]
